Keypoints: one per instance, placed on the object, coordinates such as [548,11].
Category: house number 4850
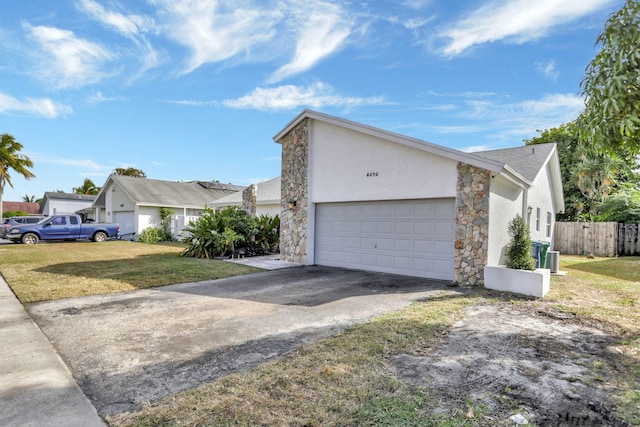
[372,173]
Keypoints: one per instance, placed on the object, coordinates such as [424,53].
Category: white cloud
[215,30]
[325,30]
[127,25]
[289,97]
[521,119]
[85,164]
[66,60]
[42,107]
[501,120]
[99,97]
[131,26]
[515,21]
[548,69]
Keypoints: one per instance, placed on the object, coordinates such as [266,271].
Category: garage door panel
[403,245]
[367,243]
[423,246]
[442,247]
[385,211]
[403,227]
[368,227]
[443,228]
[442,266]
[404,211]
[384,244]
[444,210]
[412,237]
[423,228]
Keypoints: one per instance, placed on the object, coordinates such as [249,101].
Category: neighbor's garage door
[412,237]
[126,221]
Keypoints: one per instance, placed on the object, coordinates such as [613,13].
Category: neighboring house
[28,207]
[257,199]
[360,197]
[135,203]
[61,203]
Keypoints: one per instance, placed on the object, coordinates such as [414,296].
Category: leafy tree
[137,173]
[611,85]
[588,177]
[518,251]
[28,199]
[624,206]
[87,187]
[12,160]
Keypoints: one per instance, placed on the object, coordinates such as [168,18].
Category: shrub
[9,214]
[219,233]
[518,250]
[267,238]
[154,235]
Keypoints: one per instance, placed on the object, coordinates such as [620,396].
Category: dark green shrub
[219,233]
[518,251]
[267,238]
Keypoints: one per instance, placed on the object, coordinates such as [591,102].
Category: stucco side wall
[351,166]
[505,202]
[147,217]
[540,198]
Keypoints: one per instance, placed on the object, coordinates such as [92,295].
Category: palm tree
[29,199]
[88,187]
[12,160]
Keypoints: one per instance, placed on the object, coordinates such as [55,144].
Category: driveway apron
[135,347]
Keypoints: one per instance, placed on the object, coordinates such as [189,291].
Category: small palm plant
[518,250]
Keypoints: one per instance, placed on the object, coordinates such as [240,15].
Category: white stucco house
[360,197]
[135,203]
[258,199]
[65,203]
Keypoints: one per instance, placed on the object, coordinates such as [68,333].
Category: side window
[549,219]
[73,220]
[537,219]
[59,220]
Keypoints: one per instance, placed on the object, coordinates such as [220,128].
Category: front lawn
[71,269]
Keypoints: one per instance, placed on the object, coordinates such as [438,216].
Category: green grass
[72,269]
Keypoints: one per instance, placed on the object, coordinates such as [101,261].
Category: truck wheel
[30,239]
[100,237]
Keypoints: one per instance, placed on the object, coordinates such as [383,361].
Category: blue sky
[196,89]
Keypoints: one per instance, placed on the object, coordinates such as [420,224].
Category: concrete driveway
[129,348]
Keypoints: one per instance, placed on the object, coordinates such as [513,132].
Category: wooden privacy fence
[606,239]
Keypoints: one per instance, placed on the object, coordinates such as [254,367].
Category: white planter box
[534,283]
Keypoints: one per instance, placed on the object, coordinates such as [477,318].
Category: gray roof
[154,192]
[268,192]
[68,196]
[528,160]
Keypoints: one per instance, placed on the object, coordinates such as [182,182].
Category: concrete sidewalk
[36,387]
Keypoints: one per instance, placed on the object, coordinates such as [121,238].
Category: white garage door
[126,221]
[412,237]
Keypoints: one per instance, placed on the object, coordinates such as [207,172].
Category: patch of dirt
[512,360]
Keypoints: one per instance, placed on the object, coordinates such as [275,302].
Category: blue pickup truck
[61,227]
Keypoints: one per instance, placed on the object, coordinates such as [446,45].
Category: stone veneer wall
[293,222]
[250,199]
[472,225]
